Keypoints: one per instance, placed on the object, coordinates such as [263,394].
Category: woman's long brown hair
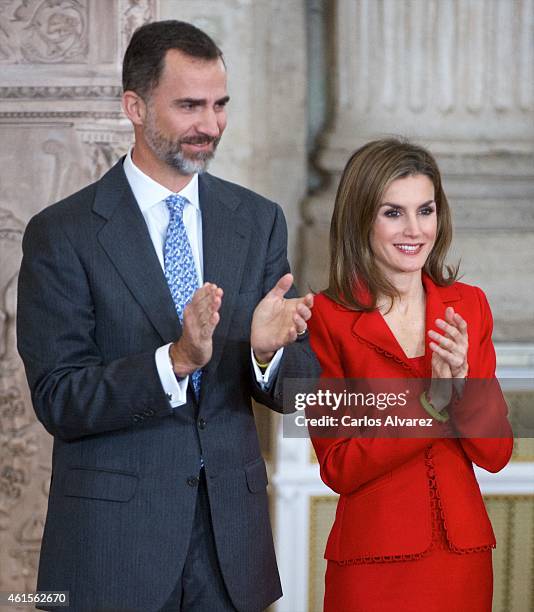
[367,175]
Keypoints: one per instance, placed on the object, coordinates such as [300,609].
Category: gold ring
[301,333]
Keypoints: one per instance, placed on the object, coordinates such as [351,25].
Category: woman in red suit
[411,532]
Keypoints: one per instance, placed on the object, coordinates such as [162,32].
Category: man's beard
[170,151]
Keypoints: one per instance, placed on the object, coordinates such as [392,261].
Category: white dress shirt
[150,197]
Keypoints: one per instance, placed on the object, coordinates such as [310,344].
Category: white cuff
[176,390]
[264,379]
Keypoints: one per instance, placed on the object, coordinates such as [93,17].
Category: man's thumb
[282,286]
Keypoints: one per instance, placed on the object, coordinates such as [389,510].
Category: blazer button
[192,481]
[148,412]
[137,418]
[202,423]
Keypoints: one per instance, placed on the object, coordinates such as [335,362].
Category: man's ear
[134,106]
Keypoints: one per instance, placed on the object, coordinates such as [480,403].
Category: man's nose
[209,123]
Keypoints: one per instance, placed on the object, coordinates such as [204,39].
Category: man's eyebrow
[201,101]
[401,206]
[196,101]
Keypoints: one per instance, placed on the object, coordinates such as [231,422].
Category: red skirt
[440,580]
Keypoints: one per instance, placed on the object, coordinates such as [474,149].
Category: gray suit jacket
[93,306]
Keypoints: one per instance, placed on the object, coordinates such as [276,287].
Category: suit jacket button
[148,412]
[202,423]
[137,418]
[192,481]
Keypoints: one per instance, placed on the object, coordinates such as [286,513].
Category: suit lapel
[225,238]
[126,240]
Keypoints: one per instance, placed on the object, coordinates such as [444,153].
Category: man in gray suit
[152,305]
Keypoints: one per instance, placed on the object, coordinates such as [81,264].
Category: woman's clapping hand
[450,346]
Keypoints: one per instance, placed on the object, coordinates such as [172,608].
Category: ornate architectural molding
[81,92]
[115,115]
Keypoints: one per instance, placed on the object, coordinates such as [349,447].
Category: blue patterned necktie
[180,270]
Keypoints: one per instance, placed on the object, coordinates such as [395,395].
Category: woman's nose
[412,227]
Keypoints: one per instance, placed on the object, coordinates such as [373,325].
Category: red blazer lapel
[374,331]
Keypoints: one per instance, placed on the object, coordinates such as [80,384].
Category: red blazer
[384,510]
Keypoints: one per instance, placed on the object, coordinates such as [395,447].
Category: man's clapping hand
[277,321]
[194,348]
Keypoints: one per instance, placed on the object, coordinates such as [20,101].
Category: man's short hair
[145,56]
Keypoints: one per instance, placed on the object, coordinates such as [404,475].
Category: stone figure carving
[135,14]
[11,230]
[104,155]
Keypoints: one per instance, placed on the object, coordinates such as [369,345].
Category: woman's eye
[392,212]
[427,210]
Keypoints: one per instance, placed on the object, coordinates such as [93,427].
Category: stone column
[455,75]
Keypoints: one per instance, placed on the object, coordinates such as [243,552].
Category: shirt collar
[148,192]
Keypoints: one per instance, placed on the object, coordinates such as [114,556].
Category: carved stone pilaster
[133,14]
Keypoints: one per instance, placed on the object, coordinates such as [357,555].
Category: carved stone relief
[63,128]
[43,31]
[104,145]
[63,157]
[23,456]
